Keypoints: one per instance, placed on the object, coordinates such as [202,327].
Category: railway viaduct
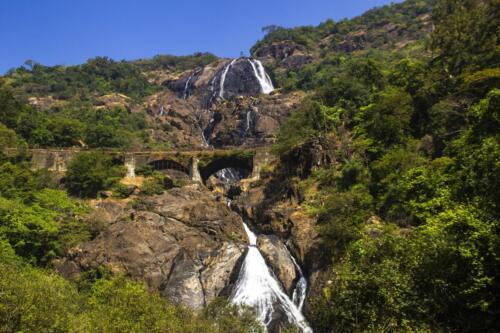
[199,165]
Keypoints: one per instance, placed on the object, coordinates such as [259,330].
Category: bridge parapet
[199,164]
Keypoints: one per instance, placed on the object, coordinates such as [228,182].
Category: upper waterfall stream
[260,73]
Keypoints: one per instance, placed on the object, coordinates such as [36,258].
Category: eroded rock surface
[183,243]
[278,257]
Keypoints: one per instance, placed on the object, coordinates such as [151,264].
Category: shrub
[153,185]
[91,172]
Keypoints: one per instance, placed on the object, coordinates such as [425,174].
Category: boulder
[279,259]
[219,269]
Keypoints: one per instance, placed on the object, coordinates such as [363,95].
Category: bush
[120,191]
[145,170]
[153,185]
[91,172]
[41,231]
[34,300]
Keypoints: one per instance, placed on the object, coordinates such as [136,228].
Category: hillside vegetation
[408,214]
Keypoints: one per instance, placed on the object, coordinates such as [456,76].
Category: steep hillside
[390,32]
[169,101]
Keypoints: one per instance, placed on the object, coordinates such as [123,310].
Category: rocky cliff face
[183,243]
[278,258]
[190,245]
[226,101]
[273,207]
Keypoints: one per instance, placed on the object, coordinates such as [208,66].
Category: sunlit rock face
[225,103]
[223,81]
[182,243]
[241,77]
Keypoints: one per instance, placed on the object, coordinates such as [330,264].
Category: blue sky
[68,32]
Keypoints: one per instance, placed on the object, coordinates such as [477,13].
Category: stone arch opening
[241,163]
[166,164]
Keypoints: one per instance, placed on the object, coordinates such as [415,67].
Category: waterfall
[249,121]
[300,291]
[266,84]
[185,94]
[229,175]
[204,137]
[223,78]
[256,287]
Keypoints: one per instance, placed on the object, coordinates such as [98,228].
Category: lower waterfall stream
[258,288]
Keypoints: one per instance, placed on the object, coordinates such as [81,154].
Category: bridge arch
[242,162]
[168,164]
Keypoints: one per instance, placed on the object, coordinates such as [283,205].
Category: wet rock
[251,121]
[278,257]
[236,78]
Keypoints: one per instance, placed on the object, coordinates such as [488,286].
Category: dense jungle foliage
[409,213]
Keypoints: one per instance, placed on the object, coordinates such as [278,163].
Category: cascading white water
[299,294]
[228,175]
[185,94]
[249,120]
[256,287]
[223,78]
[266,84]
[300,291]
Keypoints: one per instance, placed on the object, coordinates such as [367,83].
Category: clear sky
[69,32]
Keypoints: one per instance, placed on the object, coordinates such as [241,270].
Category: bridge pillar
[260,159]
[194,172]
[129,163]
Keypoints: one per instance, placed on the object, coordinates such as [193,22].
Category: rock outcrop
[250,121]
[183,243]
[278,258]
[221,104]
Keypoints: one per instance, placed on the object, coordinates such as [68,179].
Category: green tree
[66,132]
[91,172]
[387,120]
[33,300]
[466,34]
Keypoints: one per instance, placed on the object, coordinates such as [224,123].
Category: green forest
[417,143]
[419,147]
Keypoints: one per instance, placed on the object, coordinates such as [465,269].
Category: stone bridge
[199,165]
